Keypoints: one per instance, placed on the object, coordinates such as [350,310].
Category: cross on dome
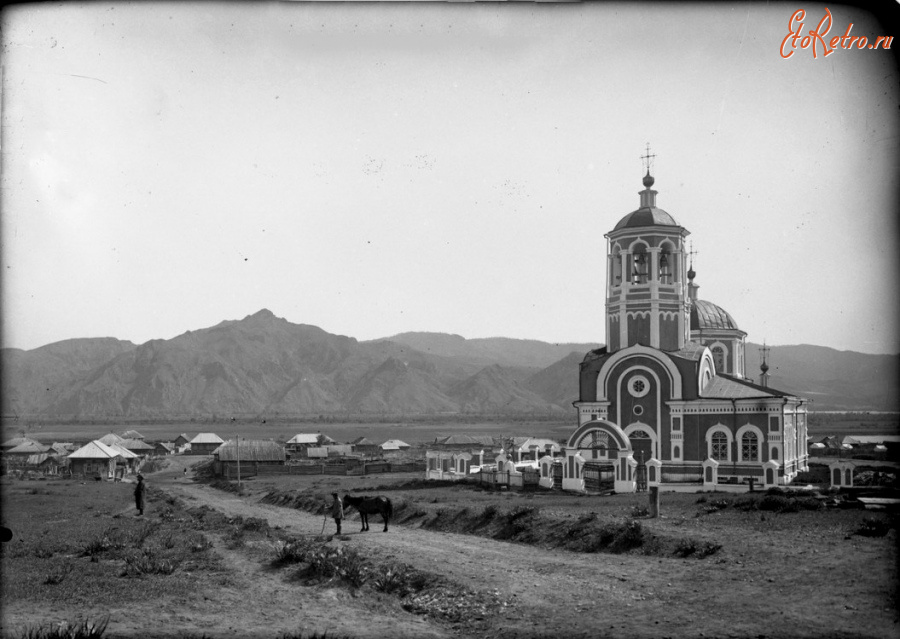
[647,159]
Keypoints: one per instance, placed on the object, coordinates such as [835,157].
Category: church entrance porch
[599,477]
[641,445]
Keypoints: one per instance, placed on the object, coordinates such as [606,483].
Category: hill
[263,365]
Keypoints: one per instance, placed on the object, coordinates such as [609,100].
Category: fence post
[654,501]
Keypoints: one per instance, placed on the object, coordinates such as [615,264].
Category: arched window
[718,354]
[774,454]
[639,266]
[616,267]
[719,446]
[677,453]
[749,447]
[665,266]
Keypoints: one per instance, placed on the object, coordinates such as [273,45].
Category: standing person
[139,492]
[337,511]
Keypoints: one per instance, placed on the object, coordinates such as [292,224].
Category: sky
[377,168]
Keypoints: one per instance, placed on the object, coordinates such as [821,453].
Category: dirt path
[546,592]
[538,587]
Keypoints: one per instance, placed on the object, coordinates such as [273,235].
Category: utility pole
[237,443]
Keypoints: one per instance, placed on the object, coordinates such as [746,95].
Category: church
[667,400]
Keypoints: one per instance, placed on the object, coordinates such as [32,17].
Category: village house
[365,446]
[162,449]
[111,438]
[248,454]
[17,456]
[394,445]
[299,445]
[137,446]
[44,463]
[16,441]
[128,462]
[205,444]
[462,442]
[94,458]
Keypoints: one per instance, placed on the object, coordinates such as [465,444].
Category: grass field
[191,570]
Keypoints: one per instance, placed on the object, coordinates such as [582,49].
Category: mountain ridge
[266,365]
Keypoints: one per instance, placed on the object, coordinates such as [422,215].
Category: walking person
[139,495]
[337,511]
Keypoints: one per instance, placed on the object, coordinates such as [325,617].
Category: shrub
[66,630]
[627,536]
[639,511]
[58,575]
[688,547]
[401,579]
[148,563]
[291,552]
[140,535]
[390,580]
[199,543]
[872,527]
[351,567]
[487,514]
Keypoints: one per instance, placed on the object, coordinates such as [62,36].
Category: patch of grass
[516,522]
[777,501]
[402,580]
[58,575]
[148,562]
[67,630]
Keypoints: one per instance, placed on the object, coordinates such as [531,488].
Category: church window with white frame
[749,447]
[719,446]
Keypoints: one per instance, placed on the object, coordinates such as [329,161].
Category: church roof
[691,351]
[646,216]
[727,387]
[707,316]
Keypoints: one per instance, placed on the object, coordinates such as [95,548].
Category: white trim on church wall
[619,390]
[639,351]
[720,427]
[760,442]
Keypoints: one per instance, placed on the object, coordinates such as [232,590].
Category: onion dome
[648,214]
[707,316]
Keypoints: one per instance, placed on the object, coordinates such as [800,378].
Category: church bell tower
[646,292]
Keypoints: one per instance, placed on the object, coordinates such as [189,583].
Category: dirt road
[540,590]
[546,592]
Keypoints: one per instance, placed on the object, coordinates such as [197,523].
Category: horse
[370,506]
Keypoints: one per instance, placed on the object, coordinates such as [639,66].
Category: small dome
[707,316]
[648,180]
[646,216]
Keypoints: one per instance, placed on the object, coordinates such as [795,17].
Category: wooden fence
[249,469]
